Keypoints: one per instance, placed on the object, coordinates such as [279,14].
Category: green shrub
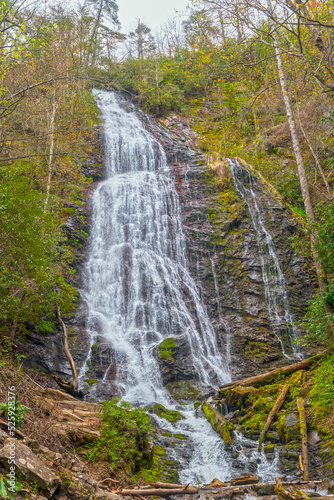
[15,412]
[6,488]
[322,393]
[124,436]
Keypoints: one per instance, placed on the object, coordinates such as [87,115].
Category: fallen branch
[167,485]
[161,492]
[68,353]
[175,489]
[109,479]
[269,376]
[19,433]
[276,408]
[303,432]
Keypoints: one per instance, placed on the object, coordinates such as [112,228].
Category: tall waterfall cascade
[137,287]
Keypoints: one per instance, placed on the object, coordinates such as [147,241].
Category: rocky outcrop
[225,258]
[30,466]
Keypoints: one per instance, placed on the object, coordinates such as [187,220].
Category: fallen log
[303,432]
[276,408]
[267,377]
[161,492]
[167,485]
[167,491]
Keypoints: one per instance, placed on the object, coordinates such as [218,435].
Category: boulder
[265,489]
[30,466]
[313,438]
[288,427]
[78,486]
[218,422]
[331,487]
[238,397]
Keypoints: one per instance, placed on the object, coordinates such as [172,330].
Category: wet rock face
[224,257]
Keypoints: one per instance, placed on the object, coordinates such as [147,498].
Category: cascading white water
[275,288]
[138,289]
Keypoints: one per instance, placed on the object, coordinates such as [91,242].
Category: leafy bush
[317,320]
[322,393]
[124,436]
[15,411]
[35,258]
[6,487]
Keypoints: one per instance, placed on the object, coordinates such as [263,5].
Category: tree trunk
[94,34]
[267,377]
[303,432]
[50,158]
[68,353]
[321,274]
[276,408]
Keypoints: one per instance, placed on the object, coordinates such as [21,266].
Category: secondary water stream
[138,290]
[276,292]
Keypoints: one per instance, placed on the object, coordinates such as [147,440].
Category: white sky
[151,12]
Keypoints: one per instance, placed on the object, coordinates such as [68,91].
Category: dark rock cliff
[224,255]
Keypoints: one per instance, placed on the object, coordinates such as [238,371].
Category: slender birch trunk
[50,158]
[300,162]
[321,273]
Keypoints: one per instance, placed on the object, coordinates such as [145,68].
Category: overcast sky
[151,12]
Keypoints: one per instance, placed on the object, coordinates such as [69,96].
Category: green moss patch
[161,411]
[167,348]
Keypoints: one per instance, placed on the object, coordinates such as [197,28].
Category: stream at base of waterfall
[137,289]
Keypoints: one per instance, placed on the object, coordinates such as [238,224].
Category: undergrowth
[322,392]
[124,438]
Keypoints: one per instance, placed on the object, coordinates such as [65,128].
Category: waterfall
[139,292]
[276,294]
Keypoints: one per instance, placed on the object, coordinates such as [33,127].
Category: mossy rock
[182,390]
[218,422]
[90,381]
[269,448]
[161,411]
[288,427]
[289,457]
[167,348]
[163,468]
